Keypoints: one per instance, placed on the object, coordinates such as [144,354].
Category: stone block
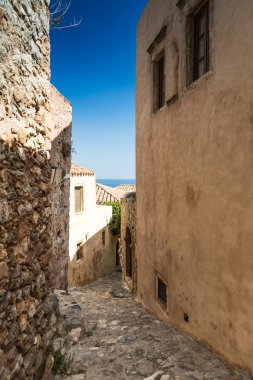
[3,270]
[3,252]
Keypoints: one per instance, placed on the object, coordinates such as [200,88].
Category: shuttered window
[78,199]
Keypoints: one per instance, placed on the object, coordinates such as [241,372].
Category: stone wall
[60,121]
[26,225]
[194,176]
[128,220]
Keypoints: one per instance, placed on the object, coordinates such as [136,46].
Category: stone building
[194,170]
[128,241]
[60,121]
[92,248]
[35,149]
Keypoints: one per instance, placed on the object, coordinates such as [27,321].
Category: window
[159,82]
[103,238]
[78,199]
[161,291]
[198,42]
[201,42]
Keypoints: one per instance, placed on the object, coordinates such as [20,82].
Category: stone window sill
[79,212]
[160,109]
[198,81]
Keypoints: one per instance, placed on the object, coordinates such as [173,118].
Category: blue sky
[93,66]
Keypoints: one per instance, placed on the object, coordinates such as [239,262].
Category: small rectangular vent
[103,238]
[161,291]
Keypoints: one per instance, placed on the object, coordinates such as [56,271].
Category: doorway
[128,240]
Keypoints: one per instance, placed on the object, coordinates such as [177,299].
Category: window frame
[203,10]
[82,199]
[159,81]
[192,79]
[159,300]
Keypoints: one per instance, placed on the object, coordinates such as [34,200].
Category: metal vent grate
[162,292]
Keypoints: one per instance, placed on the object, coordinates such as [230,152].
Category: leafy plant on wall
[115,222]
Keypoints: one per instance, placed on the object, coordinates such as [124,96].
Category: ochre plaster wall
[194,179]
[98,260]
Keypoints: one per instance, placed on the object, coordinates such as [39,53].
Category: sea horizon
[116,182]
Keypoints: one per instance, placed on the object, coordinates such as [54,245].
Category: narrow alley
[103,334]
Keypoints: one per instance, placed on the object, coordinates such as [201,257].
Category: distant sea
[116,182]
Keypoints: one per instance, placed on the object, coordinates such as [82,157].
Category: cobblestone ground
[108,337]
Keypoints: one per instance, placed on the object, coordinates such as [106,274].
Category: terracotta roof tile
[126,188]
[106,194]
[77,170]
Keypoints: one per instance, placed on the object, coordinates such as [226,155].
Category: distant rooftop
[77,170]
[106,194]
[126,188]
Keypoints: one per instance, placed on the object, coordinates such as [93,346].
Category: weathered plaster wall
[97,260]
[60,121]
[82,223]
[26,224]
[93,217]
[194,179]
[128,219]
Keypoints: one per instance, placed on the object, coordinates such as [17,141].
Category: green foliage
[115,222]
[61,363]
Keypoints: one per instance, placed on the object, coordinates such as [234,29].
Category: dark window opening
[103,238]
[186,317]
[128,253]
[79,251]
[159,82]
[162,291]
[201,42]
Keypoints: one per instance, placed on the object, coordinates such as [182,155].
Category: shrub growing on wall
[115,222]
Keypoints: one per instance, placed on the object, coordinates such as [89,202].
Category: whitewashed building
[92,248]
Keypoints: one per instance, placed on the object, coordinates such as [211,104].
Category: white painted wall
[85,224]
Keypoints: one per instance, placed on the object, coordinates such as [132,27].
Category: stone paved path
[115,338]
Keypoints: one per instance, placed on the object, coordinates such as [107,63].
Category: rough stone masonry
[28,134]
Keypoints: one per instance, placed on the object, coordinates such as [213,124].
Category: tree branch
[57,13]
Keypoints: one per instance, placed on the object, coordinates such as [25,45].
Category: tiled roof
[126,188]
[77,170]
[108,194]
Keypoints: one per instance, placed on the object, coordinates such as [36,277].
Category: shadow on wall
[59,120]
[61,163]
[34,238]
[95,259]
[128,242]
